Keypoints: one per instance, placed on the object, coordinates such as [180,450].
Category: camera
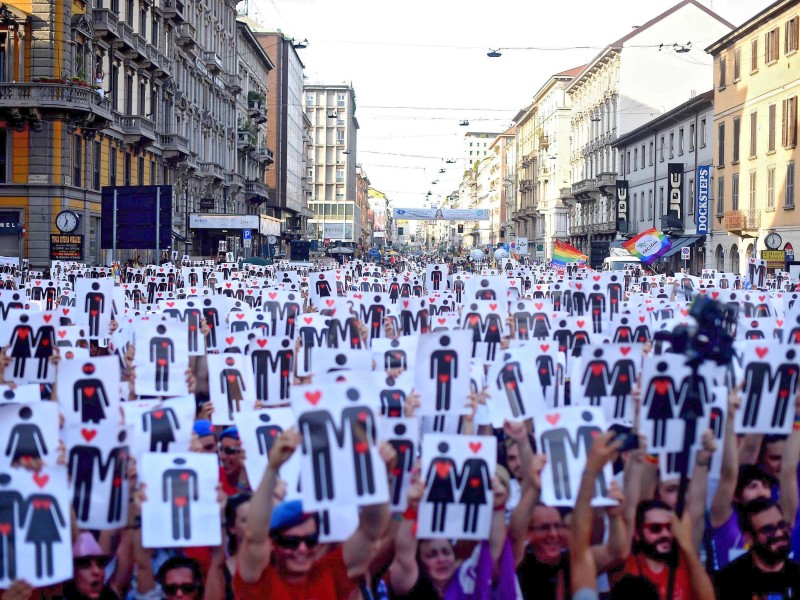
[711,339]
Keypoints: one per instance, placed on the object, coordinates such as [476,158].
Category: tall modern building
[286,134]
[334,129]
[632,80]
[126,93]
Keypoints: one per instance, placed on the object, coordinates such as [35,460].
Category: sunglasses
[770,530]
[86,562]
[229,450]
[292,542]
[656,528]
[171,589]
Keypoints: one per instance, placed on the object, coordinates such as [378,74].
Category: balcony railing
[172,9]
[212,171]
[213,61]
[584,187]
[138,130]
[174,145]
[61,97]
[256,190]
[742,220]
[125,33]
[105,22]
[234,83]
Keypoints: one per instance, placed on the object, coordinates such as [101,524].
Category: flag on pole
[564,253]
[648,245]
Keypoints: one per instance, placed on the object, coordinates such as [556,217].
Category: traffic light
[460,228]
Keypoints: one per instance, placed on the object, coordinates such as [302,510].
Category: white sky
[419,67]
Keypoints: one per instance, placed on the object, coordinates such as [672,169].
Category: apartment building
[755,141]
[631,81]
[124,92]
[658,180]
[334,129]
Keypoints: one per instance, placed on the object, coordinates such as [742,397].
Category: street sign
[66,247]
[248,243]
[686,253]
[247,234]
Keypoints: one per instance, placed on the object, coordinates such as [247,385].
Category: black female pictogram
[161,422]
[441,481]
[622,378]
[492,333]
[473,483]
[322,286]
[596,378]
[13,510]
[546,369]
[162,354]
[89,396]
[211,315]
[44,519]
[43,346]
[21,345]
[474,321]
[660,399]
[180,488]
[485,292]
[25,441]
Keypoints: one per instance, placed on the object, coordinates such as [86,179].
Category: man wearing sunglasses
[231,460]
[181,578]
[764,572]
[281,556]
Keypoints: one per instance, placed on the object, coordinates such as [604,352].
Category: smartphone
[630,441]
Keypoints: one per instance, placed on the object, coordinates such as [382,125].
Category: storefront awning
[178,237]
[681,242]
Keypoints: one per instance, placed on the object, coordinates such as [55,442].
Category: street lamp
[494,53]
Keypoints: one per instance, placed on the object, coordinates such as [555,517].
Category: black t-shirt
[742,579]
[539,581]
[422,590]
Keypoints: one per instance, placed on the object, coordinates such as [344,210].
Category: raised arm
[404,570]
[788,477]
[702,588]
[616,549]
[698,488]
[721,508]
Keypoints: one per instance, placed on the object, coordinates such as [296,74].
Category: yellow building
[756,82]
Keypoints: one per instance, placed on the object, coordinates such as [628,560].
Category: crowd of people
[727,537]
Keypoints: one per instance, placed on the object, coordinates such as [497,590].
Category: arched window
[720,259]
[735,266]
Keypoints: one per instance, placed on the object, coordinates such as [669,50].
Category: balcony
[124,39]
[172,9]
[234,180]
[234,83]
[256,191]
[212,171]
[174,145]
[140,47]
[606,182]
[526,184]
[213,62]
[265,155]
[105,23]
[255,108]
[188,162]
[58,101]
[583,189]
[245,140]
[544,142]
[138,130]
[744,223]
[186,35]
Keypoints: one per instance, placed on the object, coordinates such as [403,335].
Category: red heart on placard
[180,501]
[581,323]
[240,316]
[272,295]
[228,285]
[545,347]
[715,295]
[762,352]
[62,333]
[330,301]
[170,304]
[308,320]
[88,434]
[313,397]
[661,387]
[578,286]
[261,343]
[5,528]
[641,319]
[762,298]
[553,419]
[442,469]
[231,378]
[474,482]
[493,306]
[89,391]
[405,303]
[779,322]
[161,362]
[625,350]
[475,446]
[65,311]
[47,317]
[185,476]
[361,447]
[158,414]
[538,305]
[442,321]
[597,370]
[40,479]
[229,340]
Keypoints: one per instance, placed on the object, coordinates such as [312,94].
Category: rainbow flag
[648,245]
[564,253]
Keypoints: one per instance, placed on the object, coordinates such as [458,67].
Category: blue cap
[287,515]
[230,432]
[203,428]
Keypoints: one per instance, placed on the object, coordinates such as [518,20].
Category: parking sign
[686,253]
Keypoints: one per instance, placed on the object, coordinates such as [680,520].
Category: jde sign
[703,181]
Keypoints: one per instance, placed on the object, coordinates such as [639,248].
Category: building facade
[127,93]
[755,141]
[658,176]
[332,176]
[637,77]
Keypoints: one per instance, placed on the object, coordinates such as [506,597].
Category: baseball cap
[203,427]
[287,515]
[230,432]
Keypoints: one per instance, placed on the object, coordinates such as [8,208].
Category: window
[340,99]
[339,175]
[672,144]
[703,132]
[754,55]
[737,130]
[753,133]
[773,110]
[309,99]
[790,35]
[788,201]
[771,187]
[789,123]
[636,159]
[691,137]
[680,141]
[752,189]
[642,165]
[77,152]
[142,98]
[129,94]
[140,171]
[737,64]
[112,167]
[661,151]
[661,201]
[652,144]
[3,155]
[771,46]
[723,65]
[721,140]
[126,169]
[735,192]
[628,161]
[153,172]
[720,196]
[690,207]
[96,155]
[650,205]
